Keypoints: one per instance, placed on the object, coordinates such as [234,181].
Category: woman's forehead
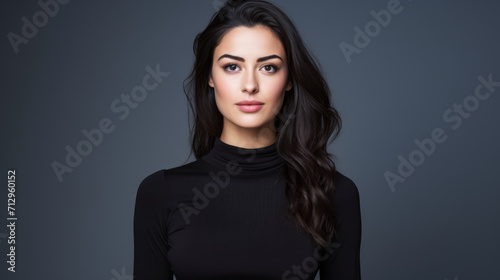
[250,43]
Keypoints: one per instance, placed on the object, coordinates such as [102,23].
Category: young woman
[263,199]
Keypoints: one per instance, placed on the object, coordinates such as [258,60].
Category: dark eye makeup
[230,64]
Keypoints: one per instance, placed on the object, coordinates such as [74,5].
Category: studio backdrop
[92,102]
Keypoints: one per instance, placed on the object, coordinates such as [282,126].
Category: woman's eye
[230,67]
[233,67]
[269,68]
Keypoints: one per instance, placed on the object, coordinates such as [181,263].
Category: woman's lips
[250,108]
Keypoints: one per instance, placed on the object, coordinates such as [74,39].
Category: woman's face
[249,64]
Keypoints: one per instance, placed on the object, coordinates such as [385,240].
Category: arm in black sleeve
[343,262]
[150,237]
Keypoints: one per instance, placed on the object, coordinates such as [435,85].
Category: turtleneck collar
[251,161]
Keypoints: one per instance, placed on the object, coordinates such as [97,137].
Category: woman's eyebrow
[243,60]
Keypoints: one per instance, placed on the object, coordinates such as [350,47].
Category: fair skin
[262,76]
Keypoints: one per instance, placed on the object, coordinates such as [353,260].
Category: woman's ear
[210,81]
[289,85]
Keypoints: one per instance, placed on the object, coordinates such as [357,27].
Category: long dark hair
[303,126]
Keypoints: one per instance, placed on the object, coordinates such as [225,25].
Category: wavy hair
[304,124]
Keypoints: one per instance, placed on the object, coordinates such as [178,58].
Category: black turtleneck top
[223,217]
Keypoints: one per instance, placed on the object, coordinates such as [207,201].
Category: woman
[263,199]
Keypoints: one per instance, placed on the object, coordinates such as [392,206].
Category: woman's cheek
[275,89]
[223,95]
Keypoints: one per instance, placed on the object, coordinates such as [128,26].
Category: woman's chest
[236,235]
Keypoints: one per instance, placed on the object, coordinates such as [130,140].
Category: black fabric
[223,217]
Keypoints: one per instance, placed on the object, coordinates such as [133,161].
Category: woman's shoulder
[152,185]
[347,206]
[160,181]
[345,189]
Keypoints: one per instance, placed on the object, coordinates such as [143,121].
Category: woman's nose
[250,83]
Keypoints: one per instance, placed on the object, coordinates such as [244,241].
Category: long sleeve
[150,238]
[343,262]
[208,219]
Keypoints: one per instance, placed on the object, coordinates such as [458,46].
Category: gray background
[440,223]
